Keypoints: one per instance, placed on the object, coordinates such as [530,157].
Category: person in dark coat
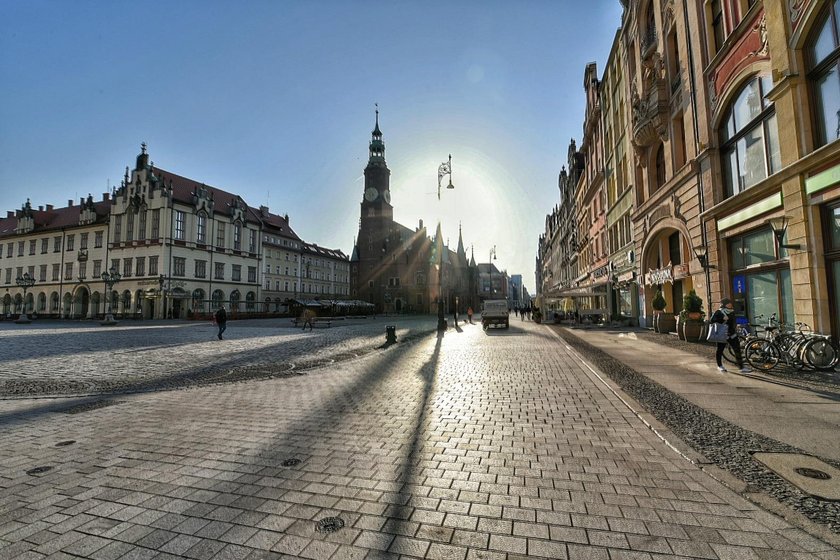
[726,315]
[221,320]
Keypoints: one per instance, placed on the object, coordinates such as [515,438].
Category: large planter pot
[667,323]
[692,330]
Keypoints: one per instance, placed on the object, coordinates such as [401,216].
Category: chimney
[49,207]
[421,224]
[264,211]
[40,209]
[106,197]
[286,218]
[70,203]
[10,214]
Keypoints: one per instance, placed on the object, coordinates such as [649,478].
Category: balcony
[650,107]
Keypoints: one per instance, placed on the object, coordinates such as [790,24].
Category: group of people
[523,313]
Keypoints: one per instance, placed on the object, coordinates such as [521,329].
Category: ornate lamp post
[24,282]
[492,258]
[443,170]
[162,292]
[110,278]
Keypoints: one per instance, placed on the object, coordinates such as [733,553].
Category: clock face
[371,194]
[387,196]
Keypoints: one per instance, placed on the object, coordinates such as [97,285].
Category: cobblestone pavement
[497,445]
[72,358]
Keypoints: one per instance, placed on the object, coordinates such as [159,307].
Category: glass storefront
[761,281]
[832,254]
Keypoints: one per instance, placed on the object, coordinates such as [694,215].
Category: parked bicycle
[795,345]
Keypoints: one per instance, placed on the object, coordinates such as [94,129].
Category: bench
[316,322]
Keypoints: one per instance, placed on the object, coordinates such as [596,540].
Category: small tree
[659,302]
[692,305]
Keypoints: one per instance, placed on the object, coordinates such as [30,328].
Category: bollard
[390,334]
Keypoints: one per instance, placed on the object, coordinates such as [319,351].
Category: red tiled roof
[182,189]
[55,219]
[279,226]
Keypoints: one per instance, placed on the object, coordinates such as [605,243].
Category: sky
[274,101]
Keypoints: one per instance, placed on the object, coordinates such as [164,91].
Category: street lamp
[162,292]
[702,254]
[444,169]
[780,225]
[110,278]
[25,282]
[492,258]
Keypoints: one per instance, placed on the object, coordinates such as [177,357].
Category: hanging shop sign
[660,276]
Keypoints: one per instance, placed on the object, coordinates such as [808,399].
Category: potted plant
[691,317]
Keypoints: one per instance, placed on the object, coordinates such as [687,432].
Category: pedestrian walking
[308,319]
[455,316]
[726,315]
[469,314]
[221,320]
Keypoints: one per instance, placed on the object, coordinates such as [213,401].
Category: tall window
[237,237]
[32,244]
[56,245]
[824,75]
[97,268]
[156,223]
[68,271]
[83,241]
[718,32]
[153,266]
[252,274]
[56,269]
[252,240]
[97,240]
[201,229]
[127,267]
[140,269]
[660,167]
[71,242]
[749,138]
[141,226]
[220,234]
[219,272]
[200,269]
[45,244]
[236,273]
[180,226]
[129,226]
[179,266]
[42,275]
[117,229]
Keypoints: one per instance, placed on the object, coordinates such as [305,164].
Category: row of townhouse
[179,248]
[709,161]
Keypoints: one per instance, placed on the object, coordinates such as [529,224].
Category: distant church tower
[368,264]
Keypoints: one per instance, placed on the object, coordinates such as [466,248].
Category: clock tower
[374,244]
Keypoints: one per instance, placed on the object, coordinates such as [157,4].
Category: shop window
[749,138]
[824,75]
[760,281]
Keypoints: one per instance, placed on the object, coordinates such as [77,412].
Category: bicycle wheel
[762,354]
[820,353]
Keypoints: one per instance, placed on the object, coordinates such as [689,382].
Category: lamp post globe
[25,281]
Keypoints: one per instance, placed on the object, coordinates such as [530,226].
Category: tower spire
[462,254]
[377,146]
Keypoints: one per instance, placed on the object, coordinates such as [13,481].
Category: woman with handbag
[726,333]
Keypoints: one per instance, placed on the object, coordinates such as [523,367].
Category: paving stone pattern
[476,445]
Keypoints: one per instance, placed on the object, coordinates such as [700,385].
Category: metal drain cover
[813,473]
[806,472]
[293,462]
[329,524]
[38,470]
[65,443]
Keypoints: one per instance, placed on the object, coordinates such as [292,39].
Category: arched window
[250,298]
[54,302]
[234,300]
[42,302]
[218,298]
[197,299]
[749,138]
[824,75]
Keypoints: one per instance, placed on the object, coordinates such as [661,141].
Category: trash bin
[390,333]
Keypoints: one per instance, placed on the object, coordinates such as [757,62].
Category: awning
[575,293]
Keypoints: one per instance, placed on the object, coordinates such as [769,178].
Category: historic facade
[733,162]
[181,249]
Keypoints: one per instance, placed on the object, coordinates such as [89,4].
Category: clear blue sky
[274,100]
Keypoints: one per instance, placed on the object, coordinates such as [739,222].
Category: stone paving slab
[494,444]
